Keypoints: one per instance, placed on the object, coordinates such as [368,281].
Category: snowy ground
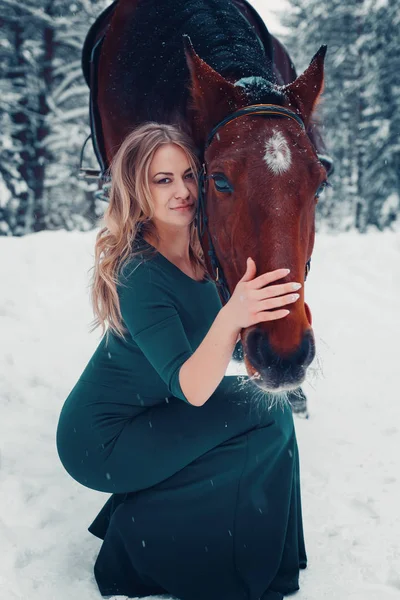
[350,446]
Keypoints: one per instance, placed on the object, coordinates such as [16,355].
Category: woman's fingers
[266,278]
[272,316]
[255,300]
[251,270]
[271,291]
[277,302]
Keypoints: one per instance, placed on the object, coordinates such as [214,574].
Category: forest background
[349,447]
[44,110]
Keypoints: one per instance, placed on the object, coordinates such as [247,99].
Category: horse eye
[321,189]
[221,183]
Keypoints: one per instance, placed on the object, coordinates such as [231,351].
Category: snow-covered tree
[71,201]
[43,115]
[22,165]
[382,110]
[359,116]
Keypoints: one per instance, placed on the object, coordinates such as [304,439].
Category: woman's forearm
[201,374]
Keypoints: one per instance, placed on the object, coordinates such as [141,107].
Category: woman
[205,490]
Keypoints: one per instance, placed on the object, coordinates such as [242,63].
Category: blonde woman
[205,500]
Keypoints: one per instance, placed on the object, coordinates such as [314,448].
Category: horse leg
[298,402]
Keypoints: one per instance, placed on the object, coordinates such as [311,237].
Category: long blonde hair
[129,215]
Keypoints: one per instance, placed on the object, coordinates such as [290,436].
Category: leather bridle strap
[255,109]
[266,110]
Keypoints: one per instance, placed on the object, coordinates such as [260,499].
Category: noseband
[269,110]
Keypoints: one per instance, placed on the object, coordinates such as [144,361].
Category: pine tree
[71,201]
[44,115]
[382,173]
[20,106]
[357,122]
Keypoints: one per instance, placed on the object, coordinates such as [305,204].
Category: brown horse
[197,63]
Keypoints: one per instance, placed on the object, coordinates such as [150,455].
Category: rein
[201,217]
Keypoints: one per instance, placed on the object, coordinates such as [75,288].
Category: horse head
[262,182]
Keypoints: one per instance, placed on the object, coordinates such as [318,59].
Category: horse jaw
[304,92]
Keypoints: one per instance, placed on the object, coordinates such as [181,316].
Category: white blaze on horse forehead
[277,153]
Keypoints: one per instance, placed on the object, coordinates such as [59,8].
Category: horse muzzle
[272,372]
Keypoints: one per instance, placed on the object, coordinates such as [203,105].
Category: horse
[207,67]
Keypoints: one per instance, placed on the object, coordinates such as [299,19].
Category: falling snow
[349,448]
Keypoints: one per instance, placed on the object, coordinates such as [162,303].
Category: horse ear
[213,97]
[304,92]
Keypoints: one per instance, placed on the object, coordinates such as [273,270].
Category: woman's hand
[253,298]
[251,302]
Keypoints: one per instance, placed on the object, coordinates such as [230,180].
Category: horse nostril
[275,368]
[259,353]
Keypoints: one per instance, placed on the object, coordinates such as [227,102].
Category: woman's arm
[201,374]
[155,325]
[251,302]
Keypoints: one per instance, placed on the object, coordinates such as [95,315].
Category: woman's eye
[221,183]
[190,175]
[166,179]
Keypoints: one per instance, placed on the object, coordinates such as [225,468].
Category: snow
[349,447]
[254,80]
[4,193]
[391,206]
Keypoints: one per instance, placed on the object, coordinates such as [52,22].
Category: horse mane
[151,46]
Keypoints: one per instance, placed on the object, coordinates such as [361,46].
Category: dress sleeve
[152,320]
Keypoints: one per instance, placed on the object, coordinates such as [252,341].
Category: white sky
[269,11]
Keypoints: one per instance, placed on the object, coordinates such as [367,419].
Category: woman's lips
[186,207]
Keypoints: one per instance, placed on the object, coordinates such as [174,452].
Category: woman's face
[173,186]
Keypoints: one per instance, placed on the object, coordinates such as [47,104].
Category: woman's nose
[182,190]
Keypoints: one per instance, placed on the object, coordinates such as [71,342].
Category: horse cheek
[308,313]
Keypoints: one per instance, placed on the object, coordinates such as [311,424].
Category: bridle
[201,217]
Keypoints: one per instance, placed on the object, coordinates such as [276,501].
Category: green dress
[205,501]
